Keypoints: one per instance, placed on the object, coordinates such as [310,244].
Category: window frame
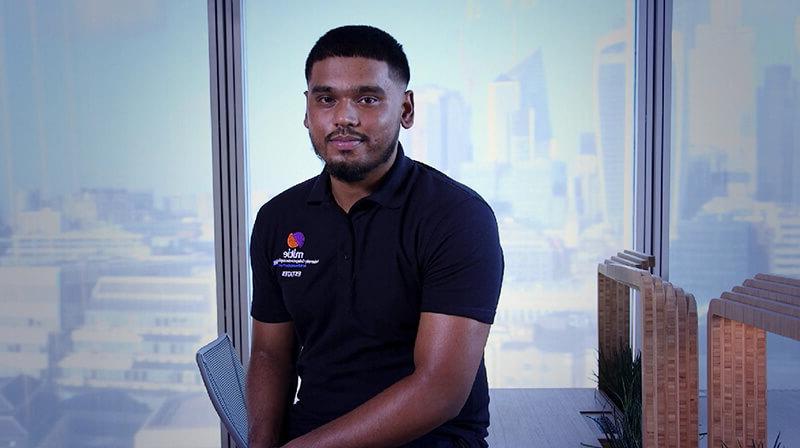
[653,69]
[229,172]
[653,99]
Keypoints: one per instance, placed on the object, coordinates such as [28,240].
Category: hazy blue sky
[776,28]
[105,94]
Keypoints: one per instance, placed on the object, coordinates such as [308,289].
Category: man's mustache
[345,133]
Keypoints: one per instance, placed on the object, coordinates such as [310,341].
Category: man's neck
[348,193]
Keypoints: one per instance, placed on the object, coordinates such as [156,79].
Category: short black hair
[361,41]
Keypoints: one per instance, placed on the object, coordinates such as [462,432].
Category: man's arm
[271,381]
[447,354]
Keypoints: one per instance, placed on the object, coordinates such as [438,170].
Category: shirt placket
[345,262]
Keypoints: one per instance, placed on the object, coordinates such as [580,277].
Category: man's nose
[346,114]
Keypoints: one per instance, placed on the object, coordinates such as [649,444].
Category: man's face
[354,110]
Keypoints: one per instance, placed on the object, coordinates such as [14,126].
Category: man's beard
[350,172]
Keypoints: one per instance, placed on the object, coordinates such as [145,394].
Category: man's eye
[325,100]
[368,100]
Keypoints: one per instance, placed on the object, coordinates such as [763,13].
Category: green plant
[620,378]
[776,444]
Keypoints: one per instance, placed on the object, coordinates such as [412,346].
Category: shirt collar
[390,192]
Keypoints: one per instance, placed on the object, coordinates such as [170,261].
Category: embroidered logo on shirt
[296,240]
[293,261]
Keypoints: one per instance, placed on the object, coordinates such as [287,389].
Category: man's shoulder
[438,191]
[289,199]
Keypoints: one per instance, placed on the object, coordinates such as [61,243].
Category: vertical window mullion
[653,127]
[227,114]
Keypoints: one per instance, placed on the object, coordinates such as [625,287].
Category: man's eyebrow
[360,90]
[370,89]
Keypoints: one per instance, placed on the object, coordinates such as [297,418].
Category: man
[384,273]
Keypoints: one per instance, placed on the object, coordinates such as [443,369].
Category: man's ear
[305,117]
[407,116]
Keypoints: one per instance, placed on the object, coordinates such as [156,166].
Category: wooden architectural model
[737,345]
[669,346]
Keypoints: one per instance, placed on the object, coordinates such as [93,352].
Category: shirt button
[346,257]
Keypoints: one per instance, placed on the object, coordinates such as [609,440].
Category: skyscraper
[613,73]
[704,176]
[31,316]
[685,18]
[784,256]
[504,99]
[588,201]
[723,49]
[137,333]
[440,135]
[778,138]
[717,251]
[519,118]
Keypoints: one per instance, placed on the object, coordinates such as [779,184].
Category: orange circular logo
[295,240]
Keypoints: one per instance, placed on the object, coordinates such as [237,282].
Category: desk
[523,418]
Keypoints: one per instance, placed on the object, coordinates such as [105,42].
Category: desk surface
[544,417]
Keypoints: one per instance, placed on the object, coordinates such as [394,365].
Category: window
[735,180]
[106,228]
[530,104]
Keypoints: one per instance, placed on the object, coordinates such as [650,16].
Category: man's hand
[447,353]
[271,382]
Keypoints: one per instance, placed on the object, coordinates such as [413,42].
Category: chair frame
[669,350]
[209,381]
[738,323]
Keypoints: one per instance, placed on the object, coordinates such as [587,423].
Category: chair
[223,377]
[738,323]
[669,346]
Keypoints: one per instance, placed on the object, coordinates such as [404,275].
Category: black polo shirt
[354,285]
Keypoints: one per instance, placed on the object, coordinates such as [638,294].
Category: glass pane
[106,224]
[736,161]
[528,103]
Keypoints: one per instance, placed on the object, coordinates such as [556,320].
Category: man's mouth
[345,142]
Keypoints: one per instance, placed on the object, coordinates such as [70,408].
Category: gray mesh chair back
[223,376]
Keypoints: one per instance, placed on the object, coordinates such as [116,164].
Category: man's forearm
[270,386]
[409,409]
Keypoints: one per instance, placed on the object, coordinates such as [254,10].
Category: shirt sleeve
[463,265]
[267,305]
